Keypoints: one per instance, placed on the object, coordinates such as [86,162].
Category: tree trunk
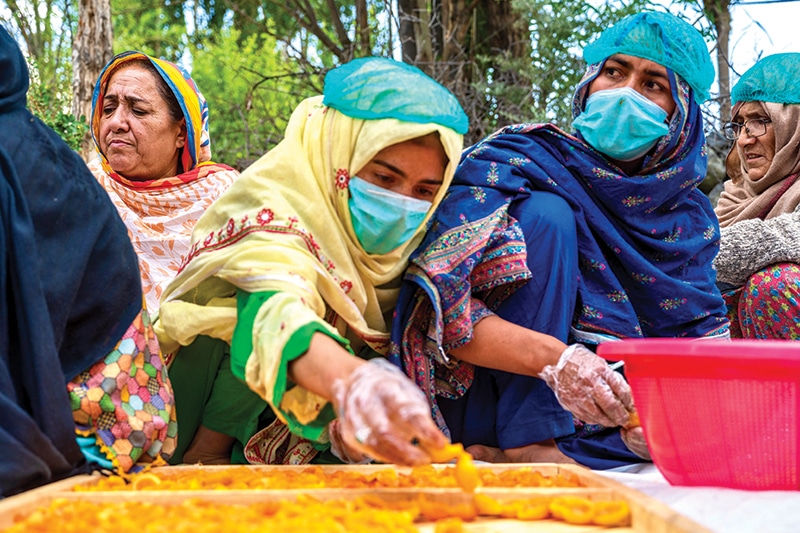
[447,38]
[408,42]
[362,27]
[91,50]
[719,11]
[423,36]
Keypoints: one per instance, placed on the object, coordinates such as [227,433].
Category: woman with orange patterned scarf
[150,128]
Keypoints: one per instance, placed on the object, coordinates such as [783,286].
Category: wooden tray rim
[648,514]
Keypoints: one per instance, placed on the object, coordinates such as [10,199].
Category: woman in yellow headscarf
[296,269]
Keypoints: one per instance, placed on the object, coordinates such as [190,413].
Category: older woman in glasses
[758,266]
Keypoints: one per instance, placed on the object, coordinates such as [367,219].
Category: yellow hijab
[285,225]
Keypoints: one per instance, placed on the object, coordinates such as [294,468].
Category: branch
[281,38]
[22,24]
[362,25]
[341,32]
[312,27]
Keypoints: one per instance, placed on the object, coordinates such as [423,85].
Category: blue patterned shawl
[646,242]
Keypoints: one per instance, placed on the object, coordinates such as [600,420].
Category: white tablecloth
[720,510]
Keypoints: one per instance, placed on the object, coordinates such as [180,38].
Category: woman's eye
[425,193]
[654,86]
[139,112]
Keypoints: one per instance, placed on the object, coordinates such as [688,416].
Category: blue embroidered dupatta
[646,243]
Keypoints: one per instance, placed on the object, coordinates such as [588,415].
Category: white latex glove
[586,386]
[381,412]
[340,449]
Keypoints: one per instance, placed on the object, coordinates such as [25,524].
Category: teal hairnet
[664,39]
[377,87]
[774,78]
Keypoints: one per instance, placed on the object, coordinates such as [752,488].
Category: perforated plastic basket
[717,413]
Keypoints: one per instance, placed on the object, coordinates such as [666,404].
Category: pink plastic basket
[717,413]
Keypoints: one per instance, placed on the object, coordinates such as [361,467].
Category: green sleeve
[248,305]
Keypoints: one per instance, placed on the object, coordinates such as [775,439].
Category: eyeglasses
[755,127]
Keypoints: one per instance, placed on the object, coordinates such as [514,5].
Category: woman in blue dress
[548,239]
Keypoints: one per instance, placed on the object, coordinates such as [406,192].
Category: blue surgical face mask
[382,219]
[621,123]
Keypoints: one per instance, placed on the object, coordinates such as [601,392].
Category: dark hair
[175,111]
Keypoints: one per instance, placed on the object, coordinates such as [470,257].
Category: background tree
[713,18]
[91,50]
[155,27]
[506,60]
[44,29]
[452,39]
[538,85]
[250,94]
[718,12]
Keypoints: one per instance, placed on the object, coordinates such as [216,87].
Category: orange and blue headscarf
[197,150]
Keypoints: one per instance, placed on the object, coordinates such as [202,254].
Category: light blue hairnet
[377,87]
[774,78]
[664,39]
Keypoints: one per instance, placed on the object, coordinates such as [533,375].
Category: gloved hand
[586,386]
[634,440]
[340,449]
[381,412]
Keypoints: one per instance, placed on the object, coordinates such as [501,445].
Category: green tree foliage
[250,93]
[542,87]
[50,108]
[252,60]
[44,29]
[154,27]
[507,61]
[53,109]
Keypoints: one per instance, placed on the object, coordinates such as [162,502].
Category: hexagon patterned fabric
[126,401]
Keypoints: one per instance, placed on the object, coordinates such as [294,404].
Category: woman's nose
[632,83]
[117,120]
[408,191]
[745,138]
[404,188]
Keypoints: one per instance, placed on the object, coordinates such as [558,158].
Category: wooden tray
[647,515]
